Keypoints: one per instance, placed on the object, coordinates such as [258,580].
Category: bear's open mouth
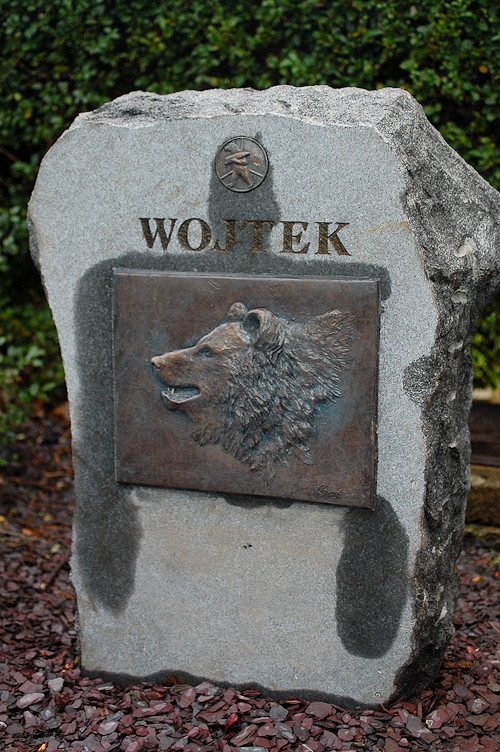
[180,394]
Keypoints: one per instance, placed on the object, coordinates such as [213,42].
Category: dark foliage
[67,56]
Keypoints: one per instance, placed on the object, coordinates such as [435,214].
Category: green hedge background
[62,57]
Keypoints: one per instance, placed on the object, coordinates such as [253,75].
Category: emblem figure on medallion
[241,164]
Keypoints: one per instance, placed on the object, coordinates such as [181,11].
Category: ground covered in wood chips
[45,703]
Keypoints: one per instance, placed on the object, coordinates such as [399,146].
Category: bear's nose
[156,361]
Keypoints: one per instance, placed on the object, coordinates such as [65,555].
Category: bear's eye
[206,351]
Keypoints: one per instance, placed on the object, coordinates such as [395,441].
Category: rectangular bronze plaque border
[160,440]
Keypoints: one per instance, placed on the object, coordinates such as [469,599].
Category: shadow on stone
[372,580]
[255,502]
[107,526]
[261,204]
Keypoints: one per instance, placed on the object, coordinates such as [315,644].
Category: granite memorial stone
[265,302]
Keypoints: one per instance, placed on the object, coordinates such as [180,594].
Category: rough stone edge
[462,284]
[431,168]
[320,105]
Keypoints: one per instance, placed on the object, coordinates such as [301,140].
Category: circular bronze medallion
[241,164]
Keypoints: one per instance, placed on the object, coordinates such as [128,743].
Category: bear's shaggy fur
[254,384]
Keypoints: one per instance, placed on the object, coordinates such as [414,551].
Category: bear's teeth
[180,394]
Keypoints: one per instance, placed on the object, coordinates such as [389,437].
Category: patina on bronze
[247,385]
[241,164]
[255,383]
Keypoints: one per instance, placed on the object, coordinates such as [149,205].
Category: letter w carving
[160,231]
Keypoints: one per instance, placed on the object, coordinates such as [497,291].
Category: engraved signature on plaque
[254,384]
[241,164]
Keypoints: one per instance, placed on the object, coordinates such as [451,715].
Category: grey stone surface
[297,597]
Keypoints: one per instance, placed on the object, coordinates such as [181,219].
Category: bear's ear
[327,322]
[332,327]
[237,312]
[265,329]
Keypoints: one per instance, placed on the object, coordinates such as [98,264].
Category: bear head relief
[254,384]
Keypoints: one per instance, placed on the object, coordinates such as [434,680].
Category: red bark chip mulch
[45,703]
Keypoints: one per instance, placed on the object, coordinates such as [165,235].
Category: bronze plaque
[241,164]
[247,385]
